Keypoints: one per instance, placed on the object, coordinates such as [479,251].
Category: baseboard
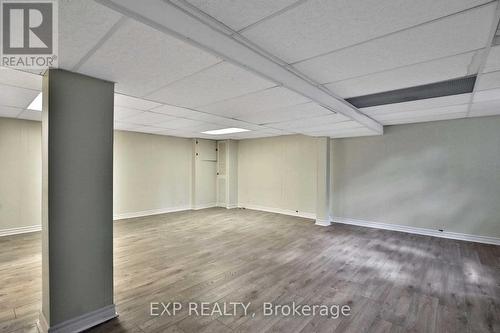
[323,222]
[231,206]
[79,323]
[20,230]
[205,206]
[150,212]
[279,211]
[41,323]
[419,231]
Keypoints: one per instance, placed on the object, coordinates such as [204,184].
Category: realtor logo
[29,34]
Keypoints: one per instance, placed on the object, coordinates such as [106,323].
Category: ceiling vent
[458,86]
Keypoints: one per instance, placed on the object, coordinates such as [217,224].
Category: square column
[77,202]
[323,175]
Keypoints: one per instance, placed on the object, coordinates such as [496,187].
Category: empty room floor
[393,282]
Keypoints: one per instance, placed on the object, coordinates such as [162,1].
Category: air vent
[461,85]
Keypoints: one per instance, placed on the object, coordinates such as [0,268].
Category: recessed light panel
[36,104]
[225,131]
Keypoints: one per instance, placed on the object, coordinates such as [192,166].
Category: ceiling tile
[250,135]
[238,14]
[149,119]
[16,97]
[344,133]
[134,103]
[216,83]
[177,111]
[204,126]
[30,115]
[294,112]
[197,115]
[214,119]
[124,126]
[121,113]
[183,123]
[406,117]
[150,62]
[493,60]
[300,124]
[487,95]
[488,108]
[319,26]
[456,34]
[404,77]
[81,25]
[343,125]
[264,100]
[488,81]
[427,118]
[268,130]
[430,103]
[9,112]
[177,133]
[20,79]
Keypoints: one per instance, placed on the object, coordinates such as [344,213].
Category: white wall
[278,173]
[151,172]
[20,173]
[437,175]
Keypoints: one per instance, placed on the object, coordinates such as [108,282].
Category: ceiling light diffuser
[36,104]
[226,131]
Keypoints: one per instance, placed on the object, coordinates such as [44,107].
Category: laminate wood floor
[392,281]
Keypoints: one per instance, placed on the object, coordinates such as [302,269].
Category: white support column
[323,182]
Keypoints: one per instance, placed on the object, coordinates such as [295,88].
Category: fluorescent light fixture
[36,104]
[226,131]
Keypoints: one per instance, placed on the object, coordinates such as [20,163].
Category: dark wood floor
[393,282]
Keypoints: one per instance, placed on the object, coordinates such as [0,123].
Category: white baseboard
[205,206]
[231,206]
[323,222]
[20,230]
[150,212]
[41,323]
[279,211]
[419,231]
[79,323]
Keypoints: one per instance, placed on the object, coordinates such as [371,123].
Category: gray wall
[438,175]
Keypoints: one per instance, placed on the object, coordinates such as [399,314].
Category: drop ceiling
[167,84]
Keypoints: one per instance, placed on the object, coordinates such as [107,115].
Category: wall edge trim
[418,231]
[20,230]
[290,212]
[80,323]
[205,206]
[149,212]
